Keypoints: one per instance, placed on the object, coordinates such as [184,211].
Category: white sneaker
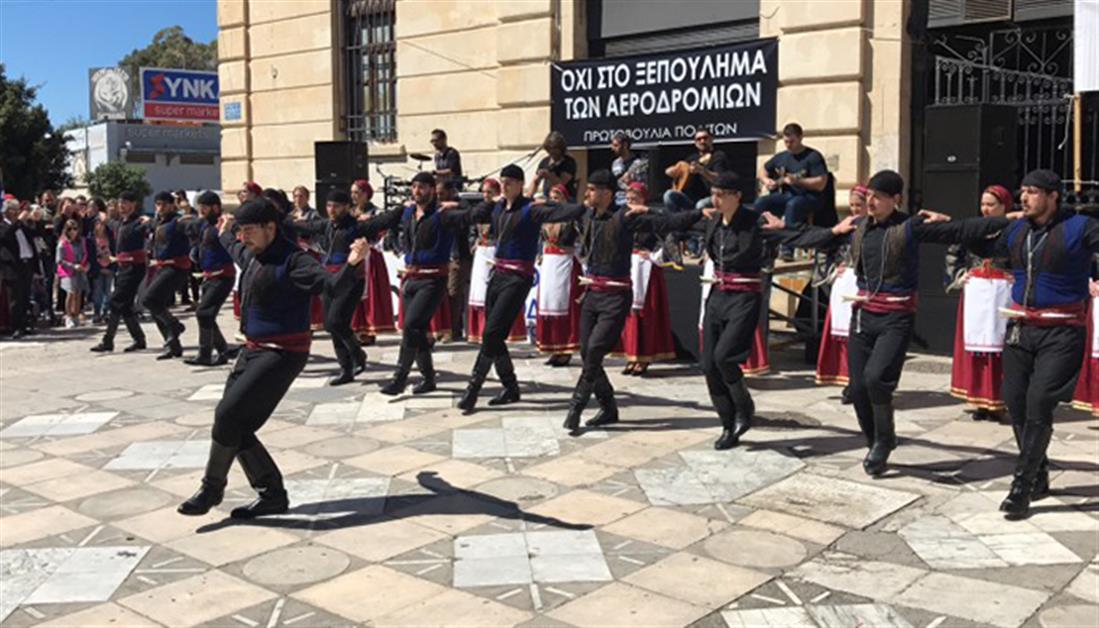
[69,323]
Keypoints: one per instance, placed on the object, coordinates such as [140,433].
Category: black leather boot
[1035,441]
[608,407]
[728,438]
[172,350]
[346,376]
[360,361]
[476,379]
[867,428]
[133,325]
[205,350]
[107,344]
[212,490]
[505,370]
[745,407]
[264,476]
[426,364]
[580,397]
[885,441]
[397,385]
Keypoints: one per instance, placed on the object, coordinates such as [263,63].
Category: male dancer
[885,252]
[515,223]
[129,233]
[426,238]
[218,276]
[338,231]
[278,280]
[1049,252]
[607,244]
[172,261]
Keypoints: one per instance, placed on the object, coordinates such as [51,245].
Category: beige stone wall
[844,76]
[481,71]
[277,61]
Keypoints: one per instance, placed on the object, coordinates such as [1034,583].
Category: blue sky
[53,42]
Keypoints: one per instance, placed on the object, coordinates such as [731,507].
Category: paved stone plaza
[404,512]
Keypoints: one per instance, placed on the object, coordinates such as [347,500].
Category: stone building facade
[481,70]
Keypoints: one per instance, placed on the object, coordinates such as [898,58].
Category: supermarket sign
[179,95]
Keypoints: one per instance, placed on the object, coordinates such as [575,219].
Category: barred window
[371,53]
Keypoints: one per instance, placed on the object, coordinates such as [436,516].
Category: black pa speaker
[340,161]
[966,149]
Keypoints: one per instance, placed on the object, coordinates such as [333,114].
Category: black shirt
[808,163]
[449,159]
[699,187]
[607,239]
[566,165]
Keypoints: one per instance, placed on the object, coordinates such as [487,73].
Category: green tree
[32,153]
[111,179]
[171,48]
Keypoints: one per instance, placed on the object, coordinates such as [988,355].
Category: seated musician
[795,178]
[691,178]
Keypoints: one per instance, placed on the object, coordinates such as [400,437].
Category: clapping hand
[225,223]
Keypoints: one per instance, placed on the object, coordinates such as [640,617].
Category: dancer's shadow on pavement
[444,499]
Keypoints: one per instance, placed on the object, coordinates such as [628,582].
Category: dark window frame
[370,57]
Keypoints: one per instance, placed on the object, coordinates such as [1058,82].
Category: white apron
[554,284]
[483,256]
[707,273]
[641,269]
[1095,327]
[984,327]
[846,284]
[394,264]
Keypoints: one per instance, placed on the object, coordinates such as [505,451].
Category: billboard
[190,95]
[664,98]
[110,96]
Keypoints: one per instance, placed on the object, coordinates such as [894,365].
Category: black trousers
[20,295]
[338,310]
[504,300]
[602,317]
[158,297]
[420,298]
[728,328]
[256,385]
[1041,365]
[214,292]
[875,356]
[127,282]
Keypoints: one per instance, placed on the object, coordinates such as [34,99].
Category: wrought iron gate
[1031,69]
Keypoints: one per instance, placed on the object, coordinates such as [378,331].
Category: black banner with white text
[665,98]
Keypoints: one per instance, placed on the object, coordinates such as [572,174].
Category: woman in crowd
[72,270]
[832,357]
[978,372]
[647,335]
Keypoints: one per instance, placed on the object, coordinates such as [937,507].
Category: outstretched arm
[556,212]
[970,230]
[307,274]
[374,225]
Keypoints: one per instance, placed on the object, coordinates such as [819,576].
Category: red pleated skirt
[561,334]
[375,312]
[475,327]
[647,335]
[1086,395]
[832,356]
[976,378]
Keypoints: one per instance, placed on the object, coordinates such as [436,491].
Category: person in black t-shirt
[558,168]
[448,162]
[796,179]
